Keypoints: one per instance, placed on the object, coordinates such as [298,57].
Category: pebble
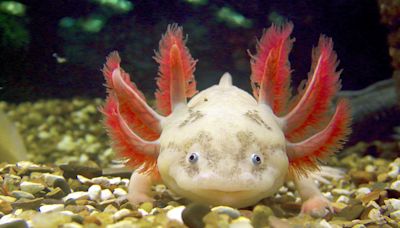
[351,212]
[94,192]
[84,180]
[27,204]
[392,204]
[16,223]
[176,213]
[375,215]
[121,214]
[76,196]
[193,215]
[51,208]
[5,207]
[147,206]
[31,187]
[231,212]
[63,185]
[101,181]
[21,194]
[119,192]
[56,193]
[340,191]
[395,185]
[343,199]
[261,215]
[362,191]
[394,172]
[7,198]
[106,194]
[241,222]
[51,178]
[114,181]
[395,215]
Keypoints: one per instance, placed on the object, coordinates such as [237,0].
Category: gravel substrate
[68,184]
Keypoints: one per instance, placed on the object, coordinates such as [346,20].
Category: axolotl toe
[225,146]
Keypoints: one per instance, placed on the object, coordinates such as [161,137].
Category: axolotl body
[225,146]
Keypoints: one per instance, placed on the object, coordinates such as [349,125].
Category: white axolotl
[224,146]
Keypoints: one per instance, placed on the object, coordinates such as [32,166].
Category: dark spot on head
[205,99]
[255,117]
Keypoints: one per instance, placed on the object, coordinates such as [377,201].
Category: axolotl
[225,146]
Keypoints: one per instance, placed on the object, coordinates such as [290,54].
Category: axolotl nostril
[225,146]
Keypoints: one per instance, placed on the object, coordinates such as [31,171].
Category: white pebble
[328,195]
[119,192]
[67,213]
[343,199]
[50,178]
[121,214]
[176,213]
[115,181]
[143,212]
[375,215]
[394,172]
[340,191]
[101,180]
[76,196]
[395,215]
[392,204]
[83,179]
[395,185]
[51,208]
[72,225]
[362,191]
[125,181]
[241,222]
[106,194]
[31,187]
[324,224]
[94,192]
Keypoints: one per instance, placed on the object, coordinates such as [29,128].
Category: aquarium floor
[69,183]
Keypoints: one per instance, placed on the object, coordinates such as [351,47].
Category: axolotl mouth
[223,195]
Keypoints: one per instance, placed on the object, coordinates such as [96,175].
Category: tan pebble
[31,187]
[362,191]
[241,222]
[383,177]
[5,207]
[8,198]
[76,196]
[123,224]
[119,192]
[110,209]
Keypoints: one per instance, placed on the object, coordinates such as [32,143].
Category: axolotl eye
[256,159]
[193,157]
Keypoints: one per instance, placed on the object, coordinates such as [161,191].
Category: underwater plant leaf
[132,103]
[141,153]
[176,81]
[270,68]
[304,155]
[312,104]
[12,148]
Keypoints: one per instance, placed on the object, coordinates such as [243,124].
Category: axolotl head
[223,148]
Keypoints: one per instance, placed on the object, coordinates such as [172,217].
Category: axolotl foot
[317,206]
[139,189]
[314,203]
